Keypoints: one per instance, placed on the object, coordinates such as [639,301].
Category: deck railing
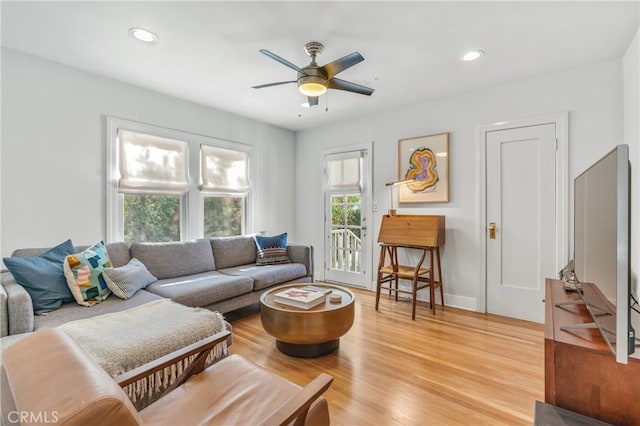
[346,249]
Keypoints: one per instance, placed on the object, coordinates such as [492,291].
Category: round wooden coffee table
[307,333]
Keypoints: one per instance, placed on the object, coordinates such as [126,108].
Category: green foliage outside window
[222,216]
[346,211]
[154,218]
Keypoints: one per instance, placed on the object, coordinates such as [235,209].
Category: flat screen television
[601,247]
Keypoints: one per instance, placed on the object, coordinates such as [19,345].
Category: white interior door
[521,203]
[347,258]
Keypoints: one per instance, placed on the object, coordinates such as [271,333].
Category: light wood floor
[456,367]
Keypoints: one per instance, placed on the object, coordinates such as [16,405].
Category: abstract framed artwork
[424,162]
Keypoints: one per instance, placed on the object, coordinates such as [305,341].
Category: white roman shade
[152,164]
[344,172]
[223,170]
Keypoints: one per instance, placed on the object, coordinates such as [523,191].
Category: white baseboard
[453,300]
[462,302]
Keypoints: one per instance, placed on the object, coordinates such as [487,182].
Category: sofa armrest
[4,313]
[301,253]
[19,308]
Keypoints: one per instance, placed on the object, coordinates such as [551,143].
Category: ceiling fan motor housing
[312,74]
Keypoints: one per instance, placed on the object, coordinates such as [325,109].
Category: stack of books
[303,298]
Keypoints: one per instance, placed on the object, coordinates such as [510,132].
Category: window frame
[191,203]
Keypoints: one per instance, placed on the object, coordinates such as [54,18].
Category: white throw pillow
[126,280]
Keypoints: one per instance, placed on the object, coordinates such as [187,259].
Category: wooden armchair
[49,373]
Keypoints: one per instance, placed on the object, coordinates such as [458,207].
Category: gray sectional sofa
[219,274]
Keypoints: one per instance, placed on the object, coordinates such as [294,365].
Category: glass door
[346,239]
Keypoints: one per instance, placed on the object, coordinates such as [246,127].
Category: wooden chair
[420,232]
[49,374]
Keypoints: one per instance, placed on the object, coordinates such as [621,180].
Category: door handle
[492,231]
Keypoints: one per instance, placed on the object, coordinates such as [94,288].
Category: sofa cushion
[201,289]
[73,311]
[39,251]
[84,274]
[118,253]
[42,276]
[233,251]
[126,280]
[174,259]
[266,276]
[271,250]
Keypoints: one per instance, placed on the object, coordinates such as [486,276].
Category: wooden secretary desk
[420,232]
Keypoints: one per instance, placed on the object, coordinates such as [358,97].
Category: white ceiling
[208,51]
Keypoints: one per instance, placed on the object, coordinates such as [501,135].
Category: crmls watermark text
[26,417]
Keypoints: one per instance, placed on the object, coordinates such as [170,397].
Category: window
[225,182]
[149,217]
[153,181]
[223,216]
[344,191]
[153,192]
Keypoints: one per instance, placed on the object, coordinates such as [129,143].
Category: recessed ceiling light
[472,55]
[143,35]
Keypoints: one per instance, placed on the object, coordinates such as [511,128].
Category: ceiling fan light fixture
[312,89]
[312,86]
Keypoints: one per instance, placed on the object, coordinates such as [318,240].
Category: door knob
[492,231]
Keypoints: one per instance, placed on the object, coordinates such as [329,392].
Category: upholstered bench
[122,341]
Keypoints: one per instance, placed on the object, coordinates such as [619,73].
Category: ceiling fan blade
[336,83]
[281,60]
[273,84]
[339,65]
[313,100]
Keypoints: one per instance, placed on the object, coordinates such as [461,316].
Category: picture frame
[423,165]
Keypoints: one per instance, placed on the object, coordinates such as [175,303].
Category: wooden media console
[581,373]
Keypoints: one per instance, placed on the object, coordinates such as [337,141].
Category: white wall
[54,147]
[631,85]
[592,95]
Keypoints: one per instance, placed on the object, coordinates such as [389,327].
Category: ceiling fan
[314,80]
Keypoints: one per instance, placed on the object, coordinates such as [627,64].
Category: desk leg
[393,255]
[440,277]
[379,283]
[432,290]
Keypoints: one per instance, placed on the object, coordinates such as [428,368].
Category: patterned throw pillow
[84,274]
[271,250]
[126,280]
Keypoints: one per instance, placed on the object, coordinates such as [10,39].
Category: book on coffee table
[300,298]
[316,289]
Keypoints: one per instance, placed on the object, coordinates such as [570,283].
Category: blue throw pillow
[271,250]
[43,277]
